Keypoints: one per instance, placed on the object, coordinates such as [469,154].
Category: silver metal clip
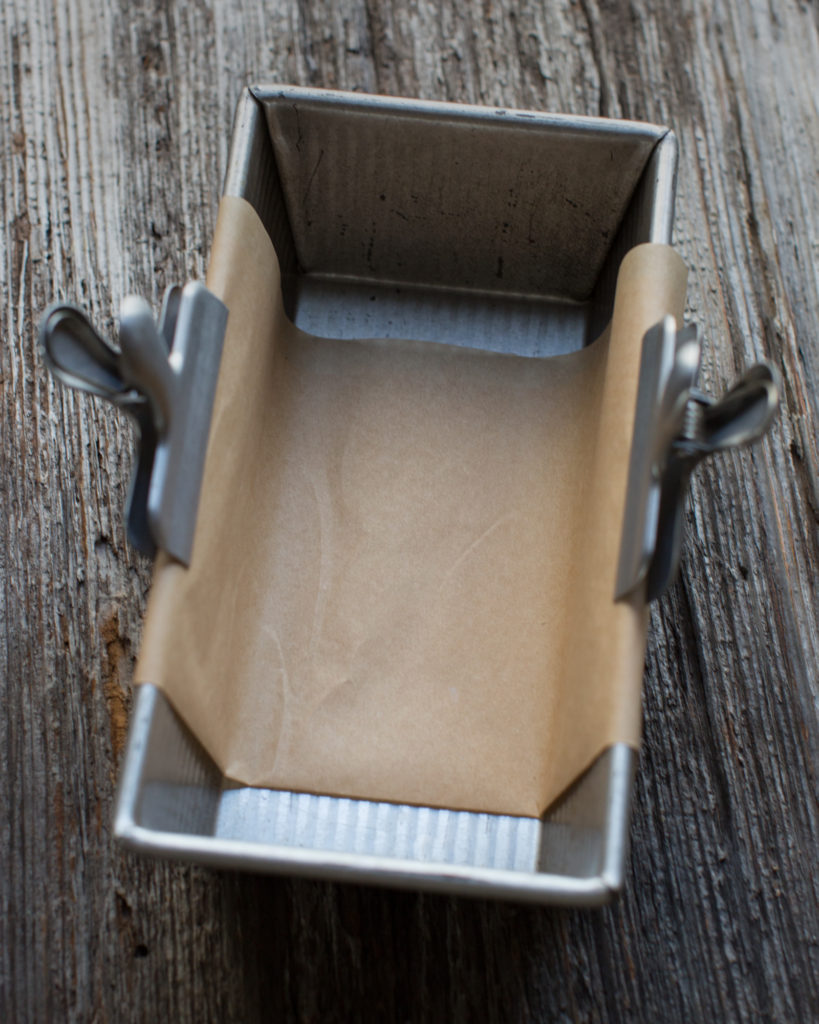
[164,376]
[676,426]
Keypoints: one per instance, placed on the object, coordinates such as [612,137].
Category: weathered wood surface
[114,126]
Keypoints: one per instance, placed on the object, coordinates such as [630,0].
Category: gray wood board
[114,127]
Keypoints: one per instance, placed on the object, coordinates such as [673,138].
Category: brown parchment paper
[405,555]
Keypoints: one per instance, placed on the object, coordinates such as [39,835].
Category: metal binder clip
[677,426]
[165,377]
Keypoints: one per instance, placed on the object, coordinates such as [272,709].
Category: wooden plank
[114,125]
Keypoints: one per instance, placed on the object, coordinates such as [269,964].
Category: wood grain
[114,126]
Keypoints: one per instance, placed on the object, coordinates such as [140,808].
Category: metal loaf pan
[436,220]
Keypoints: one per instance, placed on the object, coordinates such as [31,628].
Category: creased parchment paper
[405,554]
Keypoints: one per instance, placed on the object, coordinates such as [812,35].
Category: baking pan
[539,283]
[172,800]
